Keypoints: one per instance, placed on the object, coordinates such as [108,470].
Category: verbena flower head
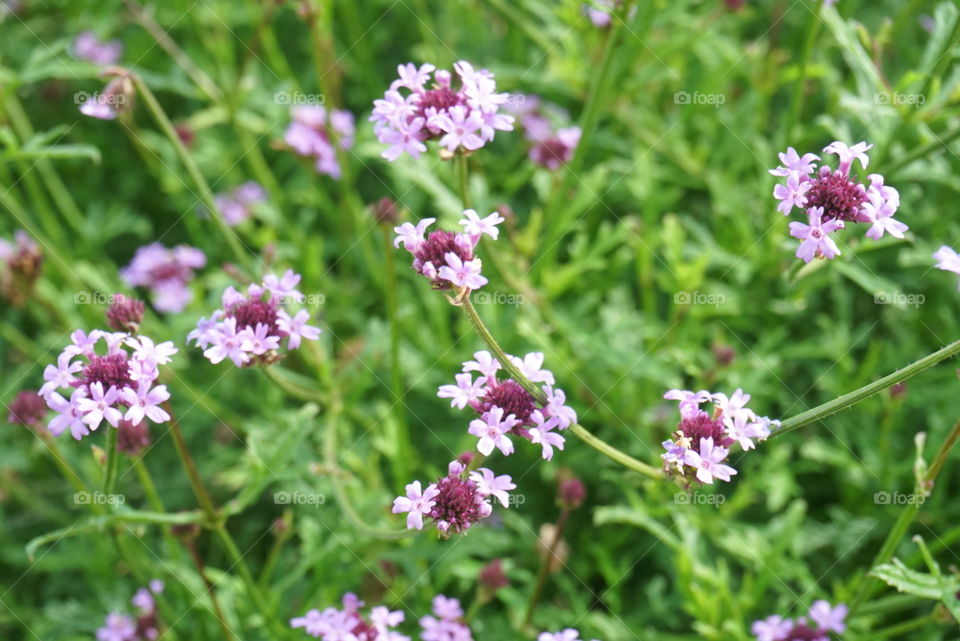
[106,376]
[821,622]
[702,441]
[569,634]
[947,259]
[446,623]
[456,501]
[550,146]
[249,328]
[20,263]
[834,198]
[236,205]
[309,135]
[508,410]
[125,314]
[415,110]
[121,627]
[348,624]
[166,273]
[446,257]
[88,47]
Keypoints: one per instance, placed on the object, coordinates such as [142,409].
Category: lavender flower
[88,47]
[569,634]
[456,501]
[111,386]
[447,623]
[166,273]
[309,135]
[463,119]
[120,627]
[248,328]
[125,314]
[824,620]
[117,627]
[701,442]
[347,624]
[445,257]
[948,259]
[550,147]
[833,198]
[236,205]
[506,409]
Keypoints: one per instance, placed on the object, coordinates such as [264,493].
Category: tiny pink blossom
[815,236]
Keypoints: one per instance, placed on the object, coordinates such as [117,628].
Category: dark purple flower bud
[21,262]
[125,314]
[723,354]
[572,493]
[898,391]
[27,409]
[492,576]
[385,211]
[133,438]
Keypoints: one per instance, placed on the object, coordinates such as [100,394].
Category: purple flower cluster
[947,259]
[166,273]
[249,327]
[832,198]
[347,624]
[446,257]
[447,623]
[463,118]
[236,205]
[456,501]
[550,147]
[88,47]
[817,626]
[569,634]
[122,627]
[114,386]
[506,408]
[309,135]
[28,409]
[702,441]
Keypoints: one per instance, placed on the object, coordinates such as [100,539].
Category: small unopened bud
[185,531]
[28,409]
[98,454]
[125,314]
[898,391]
[133,438]
[385,211]
[279,526]
[466,458]
[572,493]
[492,576]
[22,260]
[185,133]
[547,539]
[507,212]
[723,354]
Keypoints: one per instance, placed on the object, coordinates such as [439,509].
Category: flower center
[512,398]
[840,197]
[251,312]
[112,369]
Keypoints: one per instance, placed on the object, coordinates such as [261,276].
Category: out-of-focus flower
[237,204]
[88,47]
[447,623]
[166,273]
[347,624]
[821,621]
[492,577]
[20,263]
[947,259]
[309,135]
[125,314]
[464,118]
[551,146]
[116,98]
[28,409]
[249,327]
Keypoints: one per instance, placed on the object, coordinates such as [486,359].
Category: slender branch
[581,432]
[545,565]
[843,402]
[110,468]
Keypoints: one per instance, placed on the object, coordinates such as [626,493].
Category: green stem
[799,91]
[843,402]
[156,504]
[899,629]
[923,150]
[402,456]
[463,171]
[545,566]
[110,469]
[907,516]
[303,393]
[205,193]
[581,432]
